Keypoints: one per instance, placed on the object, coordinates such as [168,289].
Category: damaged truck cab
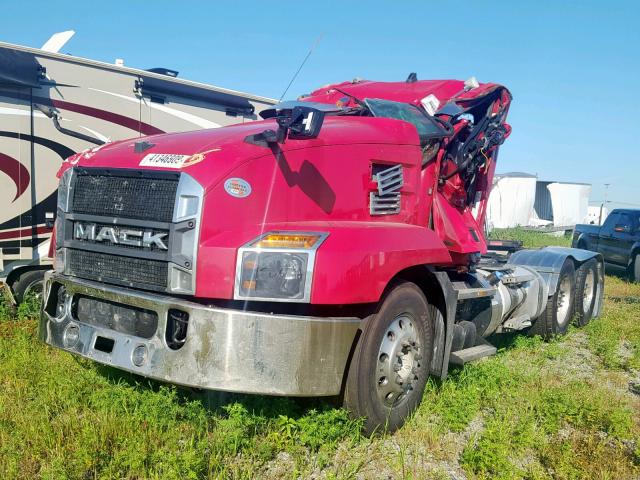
[335,248]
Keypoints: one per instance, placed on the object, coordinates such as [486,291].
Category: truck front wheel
[28,283]
[390,365]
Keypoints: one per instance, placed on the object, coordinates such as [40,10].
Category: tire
[557,315]
[28,282]
[634,269]
[586,292]
[458,338]
[469,333]
[390,365]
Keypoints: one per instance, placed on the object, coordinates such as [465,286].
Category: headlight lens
[273,275]
[277,266]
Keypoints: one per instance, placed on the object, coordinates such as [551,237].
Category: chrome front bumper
[225,349]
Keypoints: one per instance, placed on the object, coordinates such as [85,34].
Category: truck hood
[210,155]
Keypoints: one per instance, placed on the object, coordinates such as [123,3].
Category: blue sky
[573,67]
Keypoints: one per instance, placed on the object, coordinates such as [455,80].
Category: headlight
[64,190]
[277,266]
[64,194]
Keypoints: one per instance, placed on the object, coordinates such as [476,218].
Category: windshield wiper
[356,99]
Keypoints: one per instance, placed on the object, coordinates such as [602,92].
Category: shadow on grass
[216,401]
[505,341]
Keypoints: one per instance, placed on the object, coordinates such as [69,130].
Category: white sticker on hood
[167,160]
[237,187]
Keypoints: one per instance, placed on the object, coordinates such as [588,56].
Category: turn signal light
[284,240]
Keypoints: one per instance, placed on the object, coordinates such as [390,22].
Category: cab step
[471,354]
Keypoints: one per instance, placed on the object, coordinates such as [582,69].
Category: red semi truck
[334,249]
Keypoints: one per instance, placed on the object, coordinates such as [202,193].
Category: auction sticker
[167,160]
[237,187]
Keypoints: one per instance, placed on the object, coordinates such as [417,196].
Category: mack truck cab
[335,248]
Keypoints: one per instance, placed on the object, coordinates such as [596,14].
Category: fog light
[71,335]
[139,355]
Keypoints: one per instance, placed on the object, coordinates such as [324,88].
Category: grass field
[564,409]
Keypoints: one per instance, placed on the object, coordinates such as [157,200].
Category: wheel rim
[36,289]
[398,361]
[589,291]
[636,268]
[563,305]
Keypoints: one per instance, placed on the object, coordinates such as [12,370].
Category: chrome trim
[184,247]
[310,264]
[230,350]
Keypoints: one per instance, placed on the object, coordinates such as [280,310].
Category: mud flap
[443,334]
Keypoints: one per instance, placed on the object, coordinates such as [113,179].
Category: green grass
[529,238]
[536,410]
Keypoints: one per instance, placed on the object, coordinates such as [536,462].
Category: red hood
[224,149]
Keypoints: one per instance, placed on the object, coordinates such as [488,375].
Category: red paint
[17,172]
[16,234]
[323,185]
[116,118]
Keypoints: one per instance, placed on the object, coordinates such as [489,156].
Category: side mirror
[299,123]
[622,229]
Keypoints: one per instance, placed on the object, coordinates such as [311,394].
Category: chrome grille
[119,226]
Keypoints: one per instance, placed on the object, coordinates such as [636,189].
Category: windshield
[426,126]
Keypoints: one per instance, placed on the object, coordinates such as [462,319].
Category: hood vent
[386,201]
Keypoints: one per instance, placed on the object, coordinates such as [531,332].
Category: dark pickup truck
[618,240]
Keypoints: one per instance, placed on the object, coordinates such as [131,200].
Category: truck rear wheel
[390,365]
[556,317]
[586,290]
[29,282]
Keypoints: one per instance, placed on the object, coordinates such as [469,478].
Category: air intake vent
[386,201]
[389,180]
[384,204]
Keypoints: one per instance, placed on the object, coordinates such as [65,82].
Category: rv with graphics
[54,105]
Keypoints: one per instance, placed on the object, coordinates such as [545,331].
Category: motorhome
[53,105]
